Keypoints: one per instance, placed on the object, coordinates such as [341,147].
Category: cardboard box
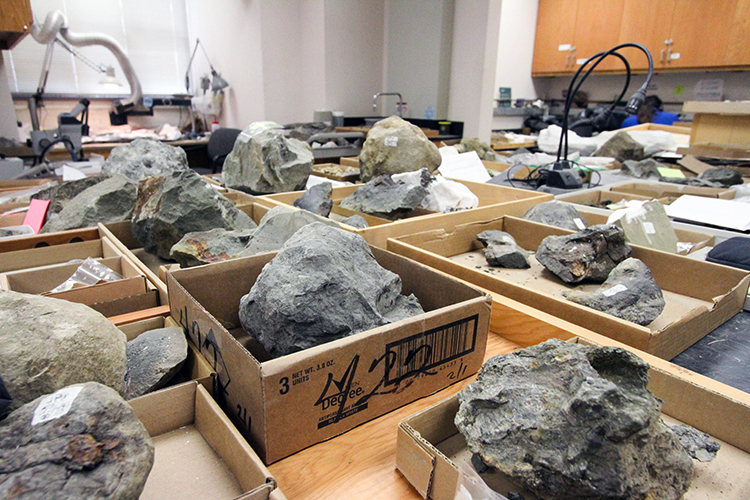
[199,453]
[337,172]
[719,122]
[286,404]
[48,239]
[603,199]
[349,161]
[493,201]
[28,258]
[699,296]
[665,190]
[429,448]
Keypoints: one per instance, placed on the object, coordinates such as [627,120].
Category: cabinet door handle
[669,54]
[661,56]
[567,60]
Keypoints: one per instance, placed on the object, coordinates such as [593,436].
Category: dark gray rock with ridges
[723,176]
[171,206]
[145,158]
[204,247]
[558,214]
[317,199]
[47,344]
[569,422]
[356,221]
[384,197]
[501,250]
[629,293]
[154,357]
[323,285]
[111,200]
[97,449]
[268,163]
[644,169]
[590,254]
[622,147]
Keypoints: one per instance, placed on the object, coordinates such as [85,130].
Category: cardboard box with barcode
[430,450]
[198,452]
[660,190]
[286,404]
[699,296]
[496,200]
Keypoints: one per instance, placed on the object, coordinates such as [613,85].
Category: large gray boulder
[323,285]
[47,344]
[558,214]
[61,194]
[170,206]
[590,254]
[83,441]
[204,247]
[268,163]
[111,200]
[569,422]
[154,357]
[145,158]
[629,293]
[383,197]
[393,146]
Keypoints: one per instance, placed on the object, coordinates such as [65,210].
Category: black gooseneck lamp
[636,100]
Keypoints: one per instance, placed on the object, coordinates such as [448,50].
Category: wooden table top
[361,463]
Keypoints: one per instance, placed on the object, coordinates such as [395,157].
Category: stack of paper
[716,212]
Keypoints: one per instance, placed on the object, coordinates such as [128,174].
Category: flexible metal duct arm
[57,23]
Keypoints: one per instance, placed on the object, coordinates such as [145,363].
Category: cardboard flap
[414,460]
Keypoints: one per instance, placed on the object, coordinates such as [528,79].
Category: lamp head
[636,101]
[109,81]
[218,83]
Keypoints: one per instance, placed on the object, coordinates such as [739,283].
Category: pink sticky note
[35,215]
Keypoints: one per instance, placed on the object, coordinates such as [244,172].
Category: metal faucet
[400,101]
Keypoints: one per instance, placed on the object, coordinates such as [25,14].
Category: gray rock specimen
[323,285]
[303,131]
[629,293]
[61,194]
[47,344]
[204,247]
[569,422]
[356,221]
[383,197]
[724,176]
[268,163]
[97,449]
[643,169]
[621,147]
[698,445]
[317,199]
[154,357]
[111,200]
[483,150]
[586,255]
[501,250]
[170,206]
[145,158]
[276,227]
[393,146]
[558,214]
[691,181]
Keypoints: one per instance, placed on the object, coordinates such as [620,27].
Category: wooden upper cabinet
[15,21]
[701,31]
[597,27]
[554,48]
[738,47]
[648,23]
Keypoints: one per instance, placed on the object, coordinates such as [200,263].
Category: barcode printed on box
[430,349]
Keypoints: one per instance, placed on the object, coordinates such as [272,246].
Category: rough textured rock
[268,163]
[356,221]
[443,195]
[111,200]
[47,344]
[691,181]
[586,255]
[323,285]
[558,214]
[98,449]
[621,147]
[629,293]
[145,158]
[317,199]
[393,146]
[643,169]
[154,357]
[698,445]
[724,176]
[383,197]
[501,250]
[276,227]
[569,422]
[171,206]
[61,194]
[483,150]
[204,247]
[303,131]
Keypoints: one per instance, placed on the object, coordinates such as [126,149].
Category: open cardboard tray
[429,446]
[198,452]
[495,200]
[43,254]
[699,295]
[595,198]
[285,404]
[341,172]
[48,239]
[659,190]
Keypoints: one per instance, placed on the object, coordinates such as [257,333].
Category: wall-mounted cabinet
[15,21]
[682,35]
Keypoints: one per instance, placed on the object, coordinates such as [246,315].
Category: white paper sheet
[717,212]
[465,167]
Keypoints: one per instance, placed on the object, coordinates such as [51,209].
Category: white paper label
[675,55]
[564,47]
[579,223]
[649,228]
[391,141]
[614,290]
[580,61]
[55,405]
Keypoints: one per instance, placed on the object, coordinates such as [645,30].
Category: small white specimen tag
[614,290]
[55,405]
[391,141]
[649,228]
[579,223]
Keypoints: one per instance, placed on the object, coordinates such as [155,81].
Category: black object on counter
[733,252]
